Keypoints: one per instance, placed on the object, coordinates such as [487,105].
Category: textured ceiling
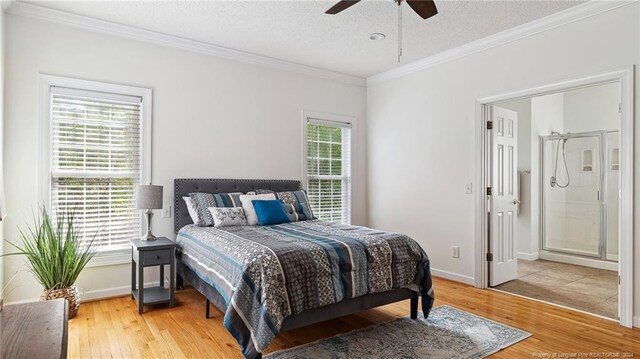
[300,32]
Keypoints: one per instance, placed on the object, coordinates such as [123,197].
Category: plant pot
[69,293]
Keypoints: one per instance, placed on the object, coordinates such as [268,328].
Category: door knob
[516,201]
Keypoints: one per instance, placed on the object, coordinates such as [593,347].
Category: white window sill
[108,258]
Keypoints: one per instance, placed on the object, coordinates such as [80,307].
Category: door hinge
[489,257]
[489,125]
[488,191]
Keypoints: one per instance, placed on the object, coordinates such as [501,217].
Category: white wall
[547,115]
[421,128]
[592,108]
[2,189]
[211,118]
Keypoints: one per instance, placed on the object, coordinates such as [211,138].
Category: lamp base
[148,237]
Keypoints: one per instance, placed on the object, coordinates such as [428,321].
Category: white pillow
[249,211]
[191,208]
[228,216]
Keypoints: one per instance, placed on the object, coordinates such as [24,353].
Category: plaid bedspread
[266,273]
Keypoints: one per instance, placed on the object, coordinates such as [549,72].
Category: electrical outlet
[468,189]
[166,212]
[455,252]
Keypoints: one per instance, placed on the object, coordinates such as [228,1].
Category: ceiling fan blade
[424,8]
[341,5]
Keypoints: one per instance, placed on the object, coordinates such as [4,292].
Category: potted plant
[55,255]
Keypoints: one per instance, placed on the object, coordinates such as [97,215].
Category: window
[328,169]
[96,144]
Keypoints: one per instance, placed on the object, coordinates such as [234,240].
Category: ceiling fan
[424,8]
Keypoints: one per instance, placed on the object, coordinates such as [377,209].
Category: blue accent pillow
[270,212]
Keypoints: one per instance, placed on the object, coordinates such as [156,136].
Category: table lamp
[149,197]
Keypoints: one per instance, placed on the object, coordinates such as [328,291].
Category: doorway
[555,220]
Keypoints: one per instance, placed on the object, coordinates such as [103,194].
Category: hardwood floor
[112,328]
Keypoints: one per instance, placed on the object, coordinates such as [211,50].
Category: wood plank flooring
[112,328]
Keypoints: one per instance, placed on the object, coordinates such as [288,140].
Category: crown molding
[5,4]
[157,38]
[570,15]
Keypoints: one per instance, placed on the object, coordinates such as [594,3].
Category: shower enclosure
[580,183]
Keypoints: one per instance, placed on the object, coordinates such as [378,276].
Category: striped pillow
[297,205]
[202,201]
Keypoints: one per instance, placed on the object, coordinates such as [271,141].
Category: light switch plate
[455,252]
[166,212]
[468,188]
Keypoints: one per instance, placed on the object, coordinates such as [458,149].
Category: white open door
[503,265]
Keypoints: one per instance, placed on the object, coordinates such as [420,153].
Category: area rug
[447,333]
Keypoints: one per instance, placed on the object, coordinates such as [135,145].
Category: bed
[268,279]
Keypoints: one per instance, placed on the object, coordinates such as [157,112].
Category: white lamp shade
[149,197]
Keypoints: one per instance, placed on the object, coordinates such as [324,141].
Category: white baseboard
[452,276]
[581,261]
[528,256]
[636,322]
[95,294]
[105,293]
[21,301]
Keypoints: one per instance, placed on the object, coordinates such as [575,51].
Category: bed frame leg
[206,312]
[414,306]
[179,282]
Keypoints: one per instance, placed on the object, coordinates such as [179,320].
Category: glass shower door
[571,182]
[613,189]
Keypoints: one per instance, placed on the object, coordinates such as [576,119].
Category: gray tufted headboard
[184,186]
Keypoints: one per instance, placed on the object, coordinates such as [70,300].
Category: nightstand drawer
[162,256]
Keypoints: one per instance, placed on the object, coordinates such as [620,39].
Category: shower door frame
[603,184]
[625,76]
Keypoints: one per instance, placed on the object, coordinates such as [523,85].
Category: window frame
[45,160]
[342,121]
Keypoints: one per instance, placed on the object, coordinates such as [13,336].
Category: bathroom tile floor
[589,289]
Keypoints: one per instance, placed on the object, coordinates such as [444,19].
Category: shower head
[563,137]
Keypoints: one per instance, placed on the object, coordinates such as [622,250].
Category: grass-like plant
[54,253]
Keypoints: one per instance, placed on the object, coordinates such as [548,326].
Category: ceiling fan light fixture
[377,36]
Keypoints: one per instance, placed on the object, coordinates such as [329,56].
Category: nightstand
[144,254]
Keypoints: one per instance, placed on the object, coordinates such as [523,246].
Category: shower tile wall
[572,214]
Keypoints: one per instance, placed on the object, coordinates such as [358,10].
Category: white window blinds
[329,169]
[96,163]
